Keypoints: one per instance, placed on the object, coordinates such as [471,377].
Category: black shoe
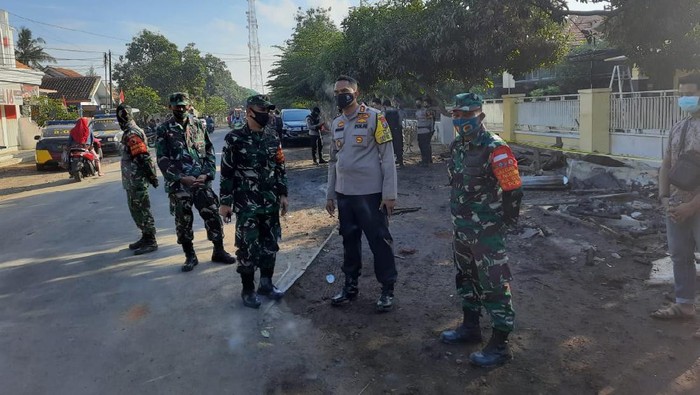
[149,245]
[190,262]
[347,294]
[315,162]
[266,288]
[468,332]
[323,162]
[497,352]
[250,299]
[136,245]
[385,301]
[221,256]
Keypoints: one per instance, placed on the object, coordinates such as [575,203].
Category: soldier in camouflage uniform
[486,194]
[254,186]
[188,163]
[138,171]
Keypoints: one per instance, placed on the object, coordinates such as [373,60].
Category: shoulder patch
[382,133]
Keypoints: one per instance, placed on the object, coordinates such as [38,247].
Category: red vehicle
[81,161]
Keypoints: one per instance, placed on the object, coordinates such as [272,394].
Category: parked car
[294,127]
[106,128]
[51,142]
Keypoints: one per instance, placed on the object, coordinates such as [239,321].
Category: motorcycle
[81,161]
[210,128]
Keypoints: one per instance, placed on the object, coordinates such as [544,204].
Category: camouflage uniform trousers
[207,203]
[256,238]
[483,277]
[140,208]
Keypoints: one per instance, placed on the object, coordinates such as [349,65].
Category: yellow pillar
[510,116]
[594,120]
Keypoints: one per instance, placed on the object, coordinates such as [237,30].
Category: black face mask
[344,99]
[180,115]
[262,118]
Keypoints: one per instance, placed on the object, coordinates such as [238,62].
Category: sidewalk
[15,157]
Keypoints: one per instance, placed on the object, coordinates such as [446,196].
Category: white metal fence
[549,114]
[493,108]
[638,111]
[640,122]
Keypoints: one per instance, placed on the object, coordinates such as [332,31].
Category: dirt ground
[580,328]
[582,325]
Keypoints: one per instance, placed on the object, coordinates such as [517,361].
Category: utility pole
[111,105]
[105,63]
[256,78]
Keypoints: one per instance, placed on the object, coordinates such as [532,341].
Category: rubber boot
[220,255]
[266,288]
[190,257]
[347,294]
[468,332]
[250,298]
[137,244]
[149,245]
[497,352]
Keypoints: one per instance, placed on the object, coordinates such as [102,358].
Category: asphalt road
[80,314]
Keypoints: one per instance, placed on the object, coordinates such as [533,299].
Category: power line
[68,28]
[73,50]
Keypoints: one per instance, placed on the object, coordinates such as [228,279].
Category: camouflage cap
[259,100]
[179,99]
[468,102]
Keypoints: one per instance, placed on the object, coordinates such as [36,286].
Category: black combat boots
[266,288]
[468,332]
[220,255]
[148,244]
[190,257]
[137,244]
[497,352]
[250,298]
[347,294]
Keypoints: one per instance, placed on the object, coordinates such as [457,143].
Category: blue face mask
[689,104]
[466,126]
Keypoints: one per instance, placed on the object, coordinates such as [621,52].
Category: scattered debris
[407,251]
[265,333]
[404,210]
[636,215]
[528,233]
[616,255]
[603,160]
[545,182]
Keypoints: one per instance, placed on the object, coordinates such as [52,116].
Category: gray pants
[683,240]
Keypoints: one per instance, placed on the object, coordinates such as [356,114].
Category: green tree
[426,43]
[216,106]
[30,50]
[220,83]
[303,74]
[150,60]
[46,109]
[146,99]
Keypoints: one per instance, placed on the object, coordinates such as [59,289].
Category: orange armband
[505,168]
[136,146]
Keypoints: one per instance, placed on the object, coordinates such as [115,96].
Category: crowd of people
[365,152]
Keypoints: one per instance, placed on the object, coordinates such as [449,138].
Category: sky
[215,26]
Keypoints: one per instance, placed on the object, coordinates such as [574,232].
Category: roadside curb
[286,286]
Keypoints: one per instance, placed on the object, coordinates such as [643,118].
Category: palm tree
[30,51]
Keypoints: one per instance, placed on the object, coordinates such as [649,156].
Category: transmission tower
[256,78]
